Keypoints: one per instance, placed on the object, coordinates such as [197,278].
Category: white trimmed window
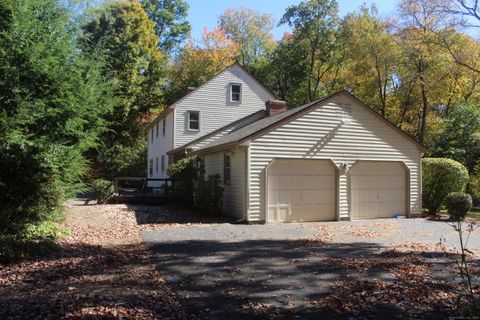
[193,118]
[150,166]
[151,139]
[157,129]
[156,164]
[163,163]
[163,127]
[227,176]
[235,92]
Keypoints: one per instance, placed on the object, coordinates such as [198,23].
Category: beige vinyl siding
[212,100]
[321,134]
[234,193]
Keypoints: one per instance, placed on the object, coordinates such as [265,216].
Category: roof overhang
[214,149]
[161,115]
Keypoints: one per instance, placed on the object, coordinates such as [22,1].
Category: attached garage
[332,159]
[378,189]
[301,190]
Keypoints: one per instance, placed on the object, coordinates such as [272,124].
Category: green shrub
[46,230]
[186,172]
[30,191]
[473,189]
[208,195]
[102,189]
[458,204]
[440,177]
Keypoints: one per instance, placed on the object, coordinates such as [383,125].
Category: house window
[156,164]
[193,120]
[226,169]
[163,163]
[235,92]
[151,139]
[163,128]
[150,167]
[157,129]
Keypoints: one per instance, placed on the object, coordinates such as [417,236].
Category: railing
[143,189]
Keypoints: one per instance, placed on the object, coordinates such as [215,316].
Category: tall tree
[459,138]
[420,20]
[171,24]
[125,36]
[52,99]
[252,31]
[462,14]
[372,58]
[287,71]
[316,27]
[201,61]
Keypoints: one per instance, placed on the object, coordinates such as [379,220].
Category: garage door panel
[378,189]
[283,182]
[304,189]
[308,212]
[393,197]
[283,197]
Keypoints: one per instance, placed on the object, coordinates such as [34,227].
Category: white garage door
[378,189]
[301,190]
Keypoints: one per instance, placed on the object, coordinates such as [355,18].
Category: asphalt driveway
[227,271]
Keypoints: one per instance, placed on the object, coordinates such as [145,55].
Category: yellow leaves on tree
[201,61]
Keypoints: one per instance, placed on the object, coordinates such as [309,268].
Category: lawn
[475,214]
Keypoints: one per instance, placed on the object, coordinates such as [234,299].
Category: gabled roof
[251,118]
[265,124]
[172,106]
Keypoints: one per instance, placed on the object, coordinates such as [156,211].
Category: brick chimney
[275,107]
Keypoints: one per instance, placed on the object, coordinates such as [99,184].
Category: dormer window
[235,92]
[193,120]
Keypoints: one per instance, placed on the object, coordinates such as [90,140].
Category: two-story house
[228,97]
[331,159]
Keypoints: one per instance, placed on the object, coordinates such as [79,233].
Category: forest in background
[79,81]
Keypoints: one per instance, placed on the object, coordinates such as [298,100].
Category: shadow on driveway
[174,214]
[285,279]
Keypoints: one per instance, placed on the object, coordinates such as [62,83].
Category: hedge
[440,177]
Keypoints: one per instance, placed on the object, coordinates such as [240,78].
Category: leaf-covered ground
[100,271]
[103,271]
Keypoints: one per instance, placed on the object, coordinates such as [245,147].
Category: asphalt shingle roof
[244,132]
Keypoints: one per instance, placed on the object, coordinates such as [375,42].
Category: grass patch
[31,240]
[474,214]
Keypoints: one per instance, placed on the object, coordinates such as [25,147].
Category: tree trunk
[425,108]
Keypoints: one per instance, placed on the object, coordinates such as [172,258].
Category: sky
[205,13]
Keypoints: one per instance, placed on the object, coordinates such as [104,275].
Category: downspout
[247,184]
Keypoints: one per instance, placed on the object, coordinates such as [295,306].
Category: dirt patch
[100,271]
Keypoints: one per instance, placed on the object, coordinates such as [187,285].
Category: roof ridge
[171,106]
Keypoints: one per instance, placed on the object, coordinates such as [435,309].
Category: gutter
[214,149]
